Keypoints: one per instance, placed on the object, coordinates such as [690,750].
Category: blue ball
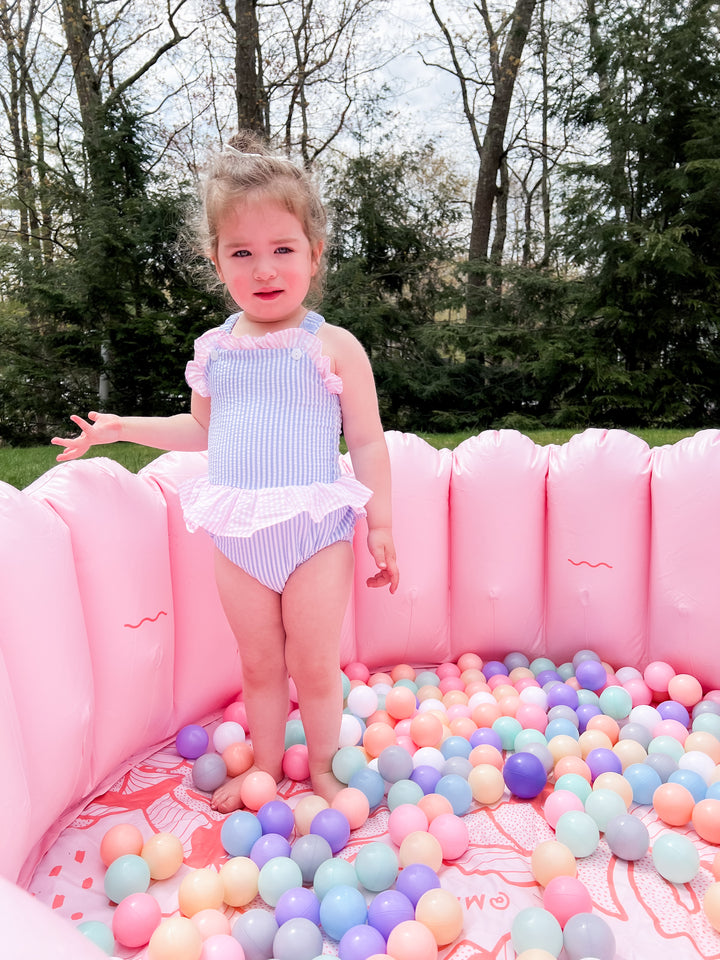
[371,784]
[395,763]
[455,747]
[99,933]
[524,775]
[341,908]
[209,772]
[376,865]
[239,832]
[561,728]
[457,790]
[692,781]
[125,875]
[643,780]
[309,852]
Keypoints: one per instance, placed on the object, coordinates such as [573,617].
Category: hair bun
[246,141]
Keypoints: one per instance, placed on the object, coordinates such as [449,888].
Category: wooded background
[540,246]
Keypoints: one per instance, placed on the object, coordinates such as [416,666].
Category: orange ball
[469,661]
[452,697]
[673,804]
[305,810]
[552,859]
[177,938]
[377,736]
[239,876]
[201,889]
[411,940]
[502,690]
[354,804]
[711,905]
[706,820]
[122,839]
[608,725]
[629,751]
[426,729]
[704,742]
[421,847]
[462,727]
[487,783]
[164,854]
[486,753]
[594,740]
[564,746]
[433,804]
[238,758]
[380,716]
[509,705]
[572,764]
[257,788]
[485,714]
[715,866]
[429,692]
[403,671]
[441,913]
[400,703]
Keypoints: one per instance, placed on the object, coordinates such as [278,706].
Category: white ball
[226,734]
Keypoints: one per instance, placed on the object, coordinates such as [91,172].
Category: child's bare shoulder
[338,341]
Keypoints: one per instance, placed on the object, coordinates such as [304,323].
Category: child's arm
[366,443]
[185,431]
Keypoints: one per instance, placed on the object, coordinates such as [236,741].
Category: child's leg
[313,607]
[254,613]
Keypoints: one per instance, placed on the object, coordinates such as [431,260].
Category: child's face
[266,261]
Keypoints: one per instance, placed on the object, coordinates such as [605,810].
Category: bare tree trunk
[250,94]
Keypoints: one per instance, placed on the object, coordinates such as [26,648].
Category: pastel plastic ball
[426,729]
[411,940]
[297,902]
[164,854]
[415,880]
[128,874]
[222,947]
[711,905]
[486,783]
[201,889]
[192,741]
[309,852]
[388,909]
[535,927]
[354,804]
[575,784]
[441,913]
[255,932]
[587,935]
[616,702]
[433,805]
[376,865]
[119,841]
[403,793]
[211,922]
[295,763]
[334,873]
[421,847]
[334,826]
[524,775]
[452,833]
[563,897]
[209,772]
[552,858]
[239,876]
[643,780]
[226,734]
[673,804]
[395,763]
[277,876]
[297,939]
[579,832]
[706,820]
[675,857]
[238,758]
[135,919]
[361,942]
[657,676]
[276,816]
[239,832]
[457,790]
[269,846]
[601,760]
[591,674]
[400,703]
[257,788]
[362,701]
[177,938]
[371,784]
[377,738]
[306,810]
[603,805]
[559,802]
[341,908]
[686,689]
[351,731]
[98,933]
[627,836]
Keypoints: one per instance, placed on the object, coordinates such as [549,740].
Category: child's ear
[316,255]
[218,271]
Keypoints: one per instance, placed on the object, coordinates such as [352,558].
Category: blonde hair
[245,169]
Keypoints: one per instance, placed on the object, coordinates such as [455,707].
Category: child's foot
[326,785]
[228,797]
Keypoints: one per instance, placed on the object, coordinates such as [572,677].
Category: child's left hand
[382,548]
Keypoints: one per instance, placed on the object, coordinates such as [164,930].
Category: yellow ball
[487,783]
[175,939]
[552,859]
[200,890]
[163,853]
[421,847]
[239,877]
[441,913]
[305,810]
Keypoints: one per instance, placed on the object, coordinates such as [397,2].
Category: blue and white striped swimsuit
[275,493]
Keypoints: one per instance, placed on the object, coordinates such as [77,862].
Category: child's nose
[264,268]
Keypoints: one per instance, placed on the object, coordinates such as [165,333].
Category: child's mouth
[268,294]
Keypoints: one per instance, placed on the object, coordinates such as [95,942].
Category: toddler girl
[270,390]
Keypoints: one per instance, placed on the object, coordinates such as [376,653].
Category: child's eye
[241,253]
[284,250]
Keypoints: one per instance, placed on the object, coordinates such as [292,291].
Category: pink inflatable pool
[112,639]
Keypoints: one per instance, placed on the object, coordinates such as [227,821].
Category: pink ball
[412,940]
[531,716]
[136,918]
[451,683]
[357,671]
[452,833]
[563,897]
[406,818]
[671,728]
[258,788]
[354,804]
[236,713]
[222,947]
[658,675]
[295,762]
[560,802]
[448,669]
[686,689]
[211,922]
[639,691]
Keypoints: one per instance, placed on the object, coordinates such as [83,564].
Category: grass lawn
[19,466]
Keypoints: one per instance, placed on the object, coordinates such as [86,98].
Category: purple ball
[672,710]
[548,676]
[361,942]
[414,880]
[601,760]
[192,741]
[485,735]
[584,712]
[297,902]
[426,777]
[334,826]
[388,909]
[591,674]
[269,845]
[524,775]
[276,816]
[494,668]
[560,694]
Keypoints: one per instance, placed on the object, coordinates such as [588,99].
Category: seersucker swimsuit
[276,492]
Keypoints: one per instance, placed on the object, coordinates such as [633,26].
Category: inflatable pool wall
[112,636]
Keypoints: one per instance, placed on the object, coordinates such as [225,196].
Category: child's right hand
[104,428]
